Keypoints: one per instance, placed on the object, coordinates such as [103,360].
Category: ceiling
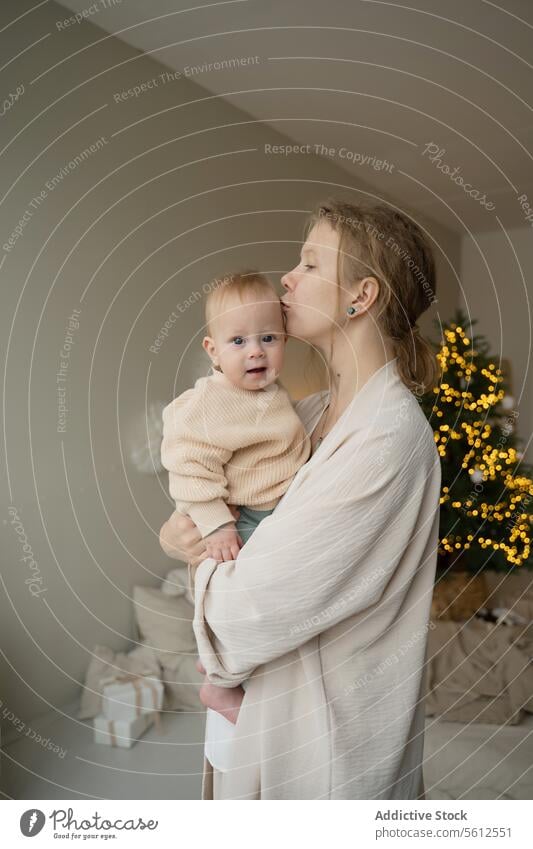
[371,81]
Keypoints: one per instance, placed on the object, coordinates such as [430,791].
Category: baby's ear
[208,345]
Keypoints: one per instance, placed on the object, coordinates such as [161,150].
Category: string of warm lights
[483,461]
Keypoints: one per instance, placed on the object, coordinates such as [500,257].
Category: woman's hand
[180,538]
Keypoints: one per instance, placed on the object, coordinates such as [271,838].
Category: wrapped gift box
[121,732]
[130,696]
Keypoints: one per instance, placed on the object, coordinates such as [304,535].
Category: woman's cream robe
[326,612]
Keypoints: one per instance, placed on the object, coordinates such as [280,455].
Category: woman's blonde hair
[377,241]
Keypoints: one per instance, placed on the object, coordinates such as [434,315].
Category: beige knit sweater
[223,444]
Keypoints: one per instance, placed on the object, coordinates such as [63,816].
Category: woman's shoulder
[387,429]
[403,438]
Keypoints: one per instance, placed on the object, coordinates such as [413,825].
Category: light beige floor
[460,762]
[478,761]
[166,765]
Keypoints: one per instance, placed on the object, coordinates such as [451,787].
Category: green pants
[249,520]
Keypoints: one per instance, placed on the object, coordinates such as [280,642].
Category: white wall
[497,289]
[91,520]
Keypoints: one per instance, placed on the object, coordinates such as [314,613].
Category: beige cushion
[165,624]
[182,685]
[177,583]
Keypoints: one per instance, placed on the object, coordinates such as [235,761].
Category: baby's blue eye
[269,337]
[237,338]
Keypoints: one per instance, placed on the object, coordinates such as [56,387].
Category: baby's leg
[225,700]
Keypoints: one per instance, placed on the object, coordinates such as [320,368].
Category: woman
[326,608]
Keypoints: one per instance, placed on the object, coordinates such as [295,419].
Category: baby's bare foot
[200,667]
[225,700]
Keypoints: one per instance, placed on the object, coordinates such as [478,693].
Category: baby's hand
[224,543]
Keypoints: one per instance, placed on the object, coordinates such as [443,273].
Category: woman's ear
[368,291]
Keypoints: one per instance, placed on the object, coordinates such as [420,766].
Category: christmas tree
[487,489]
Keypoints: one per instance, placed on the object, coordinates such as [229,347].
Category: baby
[234,438]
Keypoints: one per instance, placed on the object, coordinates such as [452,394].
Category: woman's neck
[352,361]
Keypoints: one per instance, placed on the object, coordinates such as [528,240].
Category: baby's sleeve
[194,453]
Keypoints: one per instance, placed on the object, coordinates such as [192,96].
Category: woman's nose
[286,280]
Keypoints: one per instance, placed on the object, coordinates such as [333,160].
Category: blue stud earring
[352,310]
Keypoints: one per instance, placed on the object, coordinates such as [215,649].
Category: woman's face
[311,295]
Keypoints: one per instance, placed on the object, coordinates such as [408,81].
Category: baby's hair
[240,283]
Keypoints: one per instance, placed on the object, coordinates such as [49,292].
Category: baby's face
[249,342]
